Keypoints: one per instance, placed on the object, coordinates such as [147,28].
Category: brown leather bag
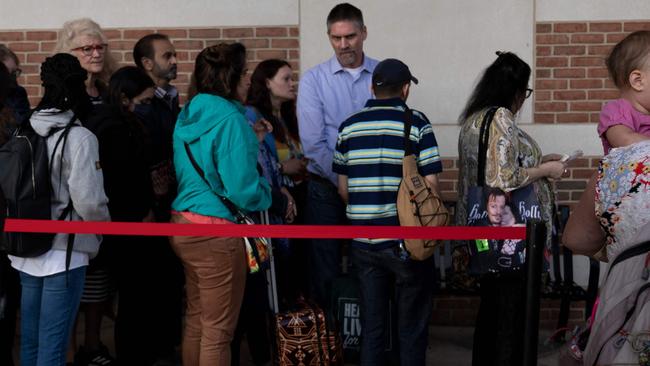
[417,203]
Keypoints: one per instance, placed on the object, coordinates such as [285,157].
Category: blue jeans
[379,272]
[324,207]
[48,309]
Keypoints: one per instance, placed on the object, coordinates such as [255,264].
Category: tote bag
[489,206]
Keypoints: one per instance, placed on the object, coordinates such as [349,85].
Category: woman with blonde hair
[84,39]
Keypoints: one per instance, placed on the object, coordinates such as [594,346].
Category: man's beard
[169,75]
[348,58]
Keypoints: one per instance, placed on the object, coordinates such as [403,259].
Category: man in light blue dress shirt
[328,94]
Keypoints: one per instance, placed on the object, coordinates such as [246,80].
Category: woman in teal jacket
[212,125]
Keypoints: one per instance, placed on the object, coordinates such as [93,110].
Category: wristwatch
[280,168]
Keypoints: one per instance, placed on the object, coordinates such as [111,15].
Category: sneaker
[99,357]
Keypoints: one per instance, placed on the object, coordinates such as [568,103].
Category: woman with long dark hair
[215,156]
[51,290]
[514,160]
[271,100]
[272,96]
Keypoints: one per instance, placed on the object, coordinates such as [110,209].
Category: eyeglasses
[89,50]
[529,92]
[16,73]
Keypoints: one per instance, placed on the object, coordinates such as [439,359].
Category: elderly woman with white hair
[84,39]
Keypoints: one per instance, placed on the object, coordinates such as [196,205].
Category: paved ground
[452,346]
[448,346]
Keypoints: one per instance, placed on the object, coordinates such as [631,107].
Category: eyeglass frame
[100,48]
[16,73]
[529,92]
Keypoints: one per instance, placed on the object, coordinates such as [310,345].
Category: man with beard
[155,54]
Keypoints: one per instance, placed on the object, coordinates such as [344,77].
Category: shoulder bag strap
[70,245]
[629,253]
[67,211]
[483,139]
[63,137]
[408,122]
[229,205]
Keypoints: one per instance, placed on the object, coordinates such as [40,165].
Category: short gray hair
[345,12]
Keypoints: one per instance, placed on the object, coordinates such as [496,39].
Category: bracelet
[280,168]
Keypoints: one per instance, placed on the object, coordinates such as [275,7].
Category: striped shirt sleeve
[428,154]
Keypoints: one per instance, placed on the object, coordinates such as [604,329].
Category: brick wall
[571,85]
[461,311]
[571,80]
[567,190]
[262,42]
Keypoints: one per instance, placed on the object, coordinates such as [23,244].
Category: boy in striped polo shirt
[368,161]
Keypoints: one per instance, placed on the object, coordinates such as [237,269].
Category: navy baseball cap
[391,72]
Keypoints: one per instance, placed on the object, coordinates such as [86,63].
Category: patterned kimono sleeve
[503,169]
[340,161]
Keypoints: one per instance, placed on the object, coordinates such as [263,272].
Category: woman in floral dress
[619,195]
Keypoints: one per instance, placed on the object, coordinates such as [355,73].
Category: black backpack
[26,189]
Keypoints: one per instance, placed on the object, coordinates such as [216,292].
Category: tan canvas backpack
[418,204]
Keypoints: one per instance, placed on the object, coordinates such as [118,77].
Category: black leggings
[499,332]
[253,322]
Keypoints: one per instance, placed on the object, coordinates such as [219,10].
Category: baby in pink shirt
[626,120]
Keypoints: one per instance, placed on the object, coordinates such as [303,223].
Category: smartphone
[574,155]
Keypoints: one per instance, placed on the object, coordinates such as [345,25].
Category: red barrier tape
[267,231]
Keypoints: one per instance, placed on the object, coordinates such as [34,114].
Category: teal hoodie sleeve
[236,158]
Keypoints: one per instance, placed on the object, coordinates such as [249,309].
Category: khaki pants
[215,277]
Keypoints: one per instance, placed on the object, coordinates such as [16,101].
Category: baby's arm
[621,135]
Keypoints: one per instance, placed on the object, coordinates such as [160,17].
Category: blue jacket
[225,147]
